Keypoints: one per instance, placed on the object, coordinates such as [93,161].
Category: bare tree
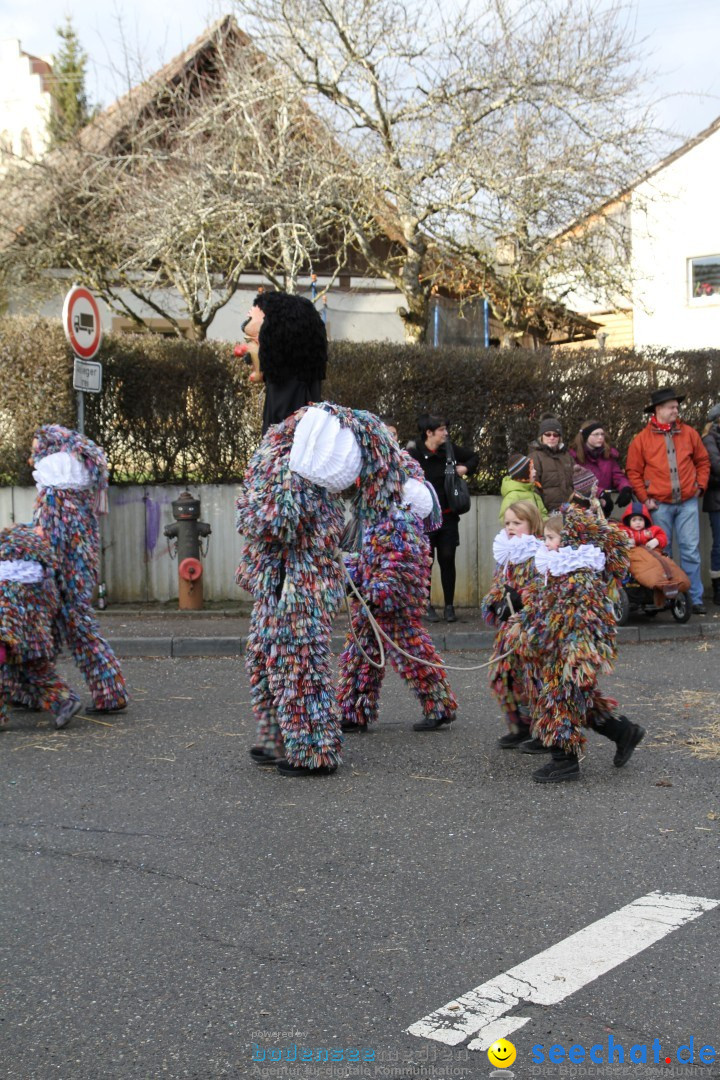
[167,198]
[487,119]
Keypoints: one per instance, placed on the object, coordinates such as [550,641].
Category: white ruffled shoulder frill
[514,549]
[568,559]
[61,470]
[24,571]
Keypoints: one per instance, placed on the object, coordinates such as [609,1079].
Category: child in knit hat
[519,484]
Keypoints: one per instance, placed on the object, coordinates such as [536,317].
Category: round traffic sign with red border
[81,322]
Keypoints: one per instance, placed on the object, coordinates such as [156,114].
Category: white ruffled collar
[514,549]
[22,570]
[61,470]
[567,559]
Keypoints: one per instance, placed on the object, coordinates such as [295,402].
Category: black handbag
[456,489]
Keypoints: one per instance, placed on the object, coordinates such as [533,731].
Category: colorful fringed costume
[566,631]
[71,479]
[509,676]
[392,573]
[291,516]
[29,604]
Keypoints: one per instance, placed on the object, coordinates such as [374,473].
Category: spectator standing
[553,464]
[711,500]
[430,451]
[669,468]
[591,449]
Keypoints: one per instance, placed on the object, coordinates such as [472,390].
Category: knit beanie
[549,423]
[714,413]
[519,467]
[583,481]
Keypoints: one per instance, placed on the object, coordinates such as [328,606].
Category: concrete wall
[138,569]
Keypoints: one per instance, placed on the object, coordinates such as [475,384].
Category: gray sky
[681,40]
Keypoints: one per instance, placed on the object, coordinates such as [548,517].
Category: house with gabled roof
[674,243]
[355,304]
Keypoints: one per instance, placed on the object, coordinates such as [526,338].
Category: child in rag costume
[514,550]
[391,571]
[29,604]
[566,632]
[70,473]
[291,516]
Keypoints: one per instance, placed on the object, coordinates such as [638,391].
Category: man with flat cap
[669,467]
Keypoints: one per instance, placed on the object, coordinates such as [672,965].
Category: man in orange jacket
[669,467]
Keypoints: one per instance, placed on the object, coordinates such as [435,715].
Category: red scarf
[655,423]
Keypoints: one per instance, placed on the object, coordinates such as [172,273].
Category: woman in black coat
[711,499]
[429,450]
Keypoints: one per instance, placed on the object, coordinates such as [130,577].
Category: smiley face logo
[502,1054]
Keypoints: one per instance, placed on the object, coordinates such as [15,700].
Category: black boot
[449,613]
[561,767]
[629,737]
[716,590]
[534,746]
[431,614]
[513,739]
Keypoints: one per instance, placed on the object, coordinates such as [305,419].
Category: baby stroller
[655,583]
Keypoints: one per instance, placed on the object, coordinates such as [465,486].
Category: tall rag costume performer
[566,632]
[71,478]
[29,604]
[391,571]
[291,515]
[287,347]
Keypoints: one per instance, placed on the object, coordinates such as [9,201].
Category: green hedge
[176,411]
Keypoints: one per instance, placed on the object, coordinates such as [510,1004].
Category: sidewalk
[152,631]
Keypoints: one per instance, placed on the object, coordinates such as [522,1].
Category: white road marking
[499,1029]
[561,970]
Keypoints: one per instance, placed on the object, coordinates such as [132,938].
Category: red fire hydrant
[187,534]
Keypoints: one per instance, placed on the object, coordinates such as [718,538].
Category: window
[704,280]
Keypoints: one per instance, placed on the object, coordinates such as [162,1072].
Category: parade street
[169,909]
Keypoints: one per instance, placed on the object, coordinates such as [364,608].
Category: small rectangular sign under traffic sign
[87,375]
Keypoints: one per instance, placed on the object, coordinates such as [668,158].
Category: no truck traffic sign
[81,322]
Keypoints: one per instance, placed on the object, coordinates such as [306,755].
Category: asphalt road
[171,910]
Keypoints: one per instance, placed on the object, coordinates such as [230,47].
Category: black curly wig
[292,339]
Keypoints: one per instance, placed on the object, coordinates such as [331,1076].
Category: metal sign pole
[81,411]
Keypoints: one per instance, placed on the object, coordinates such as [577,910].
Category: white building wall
[675,218]
[24,102]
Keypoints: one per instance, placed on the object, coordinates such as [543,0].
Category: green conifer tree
[70,110]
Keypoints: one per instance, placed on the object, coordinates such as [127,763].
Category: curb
[177,647]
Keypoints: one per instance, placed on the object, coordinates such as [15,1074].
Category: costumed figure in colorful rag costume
[291,516]
[70,473]
[514,550]
[566,631]
[391,570]
[29,604]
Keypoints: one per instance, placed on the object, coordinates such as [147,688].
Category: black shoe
[534,746]
[560,768]
[716,592]
[512,740]
[449,613]
[351,727]
[431,614]
[93,710]
[432,723]
[70,708]
[286,768]
[630,738]
[261,756]
[699,609]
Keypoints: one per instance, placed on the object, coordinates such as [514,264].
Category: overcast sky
[682,41]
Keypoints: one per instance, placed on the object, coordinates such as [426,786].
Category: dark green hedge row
[173,411]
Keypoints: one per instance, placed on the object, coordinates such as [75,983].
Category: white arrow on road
[559,971]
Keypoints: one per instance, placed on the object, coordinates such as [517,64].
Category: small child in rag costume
[29,604]
[514,550]
[291,516]
[391,571]
[566,632]
[70,473]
